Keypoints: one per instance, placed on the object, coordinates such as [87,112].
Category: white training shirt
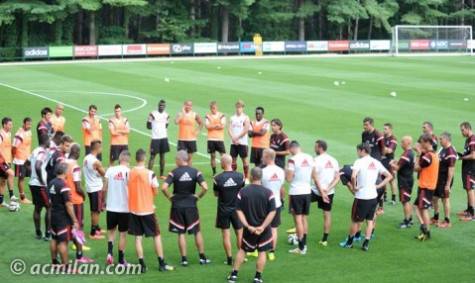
[368,170]
[237,126]
[117,193]
[327,168]
[302,165]
[91,176]
[273,177]
[159,123]
[39,154]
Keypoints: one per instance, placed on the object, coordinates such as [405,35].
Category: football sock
[436,215]
[110,247]
[258,275]
[325,237]
[121,256]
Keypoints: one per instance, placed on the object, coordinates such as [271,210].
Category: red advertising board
[420,44]
[339,45]
[133,49]
[85,51]
[158,49]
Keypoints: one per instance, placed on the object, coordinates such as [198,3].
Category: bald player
[405,179]
[57,119]
[226,186]
[189,126]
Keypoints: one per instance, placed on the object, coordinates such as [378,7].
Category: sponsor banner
[228,47]
[471,44]
[184,48]
[158,49]
[35,52]
[380,45]
[85,51]
[205,48]
[439,44]
[273,46]
[295,46]
[60,51]
[247,47]
[339,45]
[134,49]
[457,44]
[420,44]
[403,45]
[317,45]
[109,50]
[360,45]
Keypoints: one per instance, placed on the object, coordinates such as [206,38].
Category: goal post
[417,39]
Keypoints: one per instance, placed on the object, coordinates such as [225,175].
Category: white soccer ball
[292,239]
[259,73]
[466,99]
[393,94]
[343,83]
[167,80]
[14,206]
[336,83]
[219,67]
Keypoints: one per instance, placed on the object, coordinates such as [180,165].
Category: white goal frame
[395,35]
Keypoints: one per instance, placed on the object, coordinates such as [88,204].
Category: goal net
[435,39]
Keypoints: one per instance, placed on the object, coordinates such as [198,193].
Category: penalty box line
[84,111]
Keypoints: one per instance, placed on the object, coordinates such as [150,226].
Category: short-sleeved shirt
[273,178]
[447,157]
[279,142]
[59,195]
[227,186]
[302,166]
[434,142]
[369,169]
[390,142]
[57,157]
[255,202]
[469,147]
[184,180]
[327,169]
[44,128]
[91,176]
[376,141]
[406,166]
[159,123]
[117,195]
[39,154]
[237,123]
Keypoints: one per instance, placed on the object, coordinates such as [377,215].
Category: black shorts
[363,209]
[22,171]
[218,146]
[159,146]
[256,155]
[189,146]
[280,161]
[238,150]
[261,243]
[386,163]
[424,198]
[323,205]
[79,213]
[61,233]
[300,204]
[345,174]
[405,194]
[224,220]
[184,220]
[40,196]
[276,221]
[4,167]
[95,201]
[380,194]
[140,225]
[440,189]
[468,179]
[115,151]
[118,220]
[87,149]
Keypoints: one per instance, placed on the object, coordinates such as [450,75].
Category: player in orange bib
[215,123]
[7,177]
[189,126]
[57,119]
[427,165]
[91,129]
[21,152]
[260,134]
[119,129]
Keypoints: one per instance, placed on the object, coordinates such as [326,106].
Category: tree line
[59,22]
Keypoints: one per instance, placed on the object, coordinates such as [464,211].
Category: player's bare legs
[226,233]
[199,242]
[182,244]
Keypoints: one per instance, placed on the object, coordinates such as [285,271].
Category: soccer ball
[14,206]
[292,239]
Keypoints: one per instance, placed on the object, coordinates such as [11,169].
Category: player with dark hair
[119,129]
[7,176]
[91,129]
[158,122]
[45,127]
[390,145]
[21,151]
[259,131]
[238,129]
[57,155]
[428,128]
[468,170]
[279,142]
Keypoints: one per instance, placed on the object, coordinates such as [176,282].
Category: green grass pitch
[300,91]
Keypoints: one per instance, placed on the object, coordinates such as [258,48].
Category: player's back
[141,192]
[273,178]
[184,180]
[227,185]
[91,176]
[117,182]
[38,154]
[327,168]
[255,203]
[302,166]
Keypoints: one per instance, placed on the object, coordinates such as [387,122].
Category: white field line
[82,111]
[234,57]
[194,163]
